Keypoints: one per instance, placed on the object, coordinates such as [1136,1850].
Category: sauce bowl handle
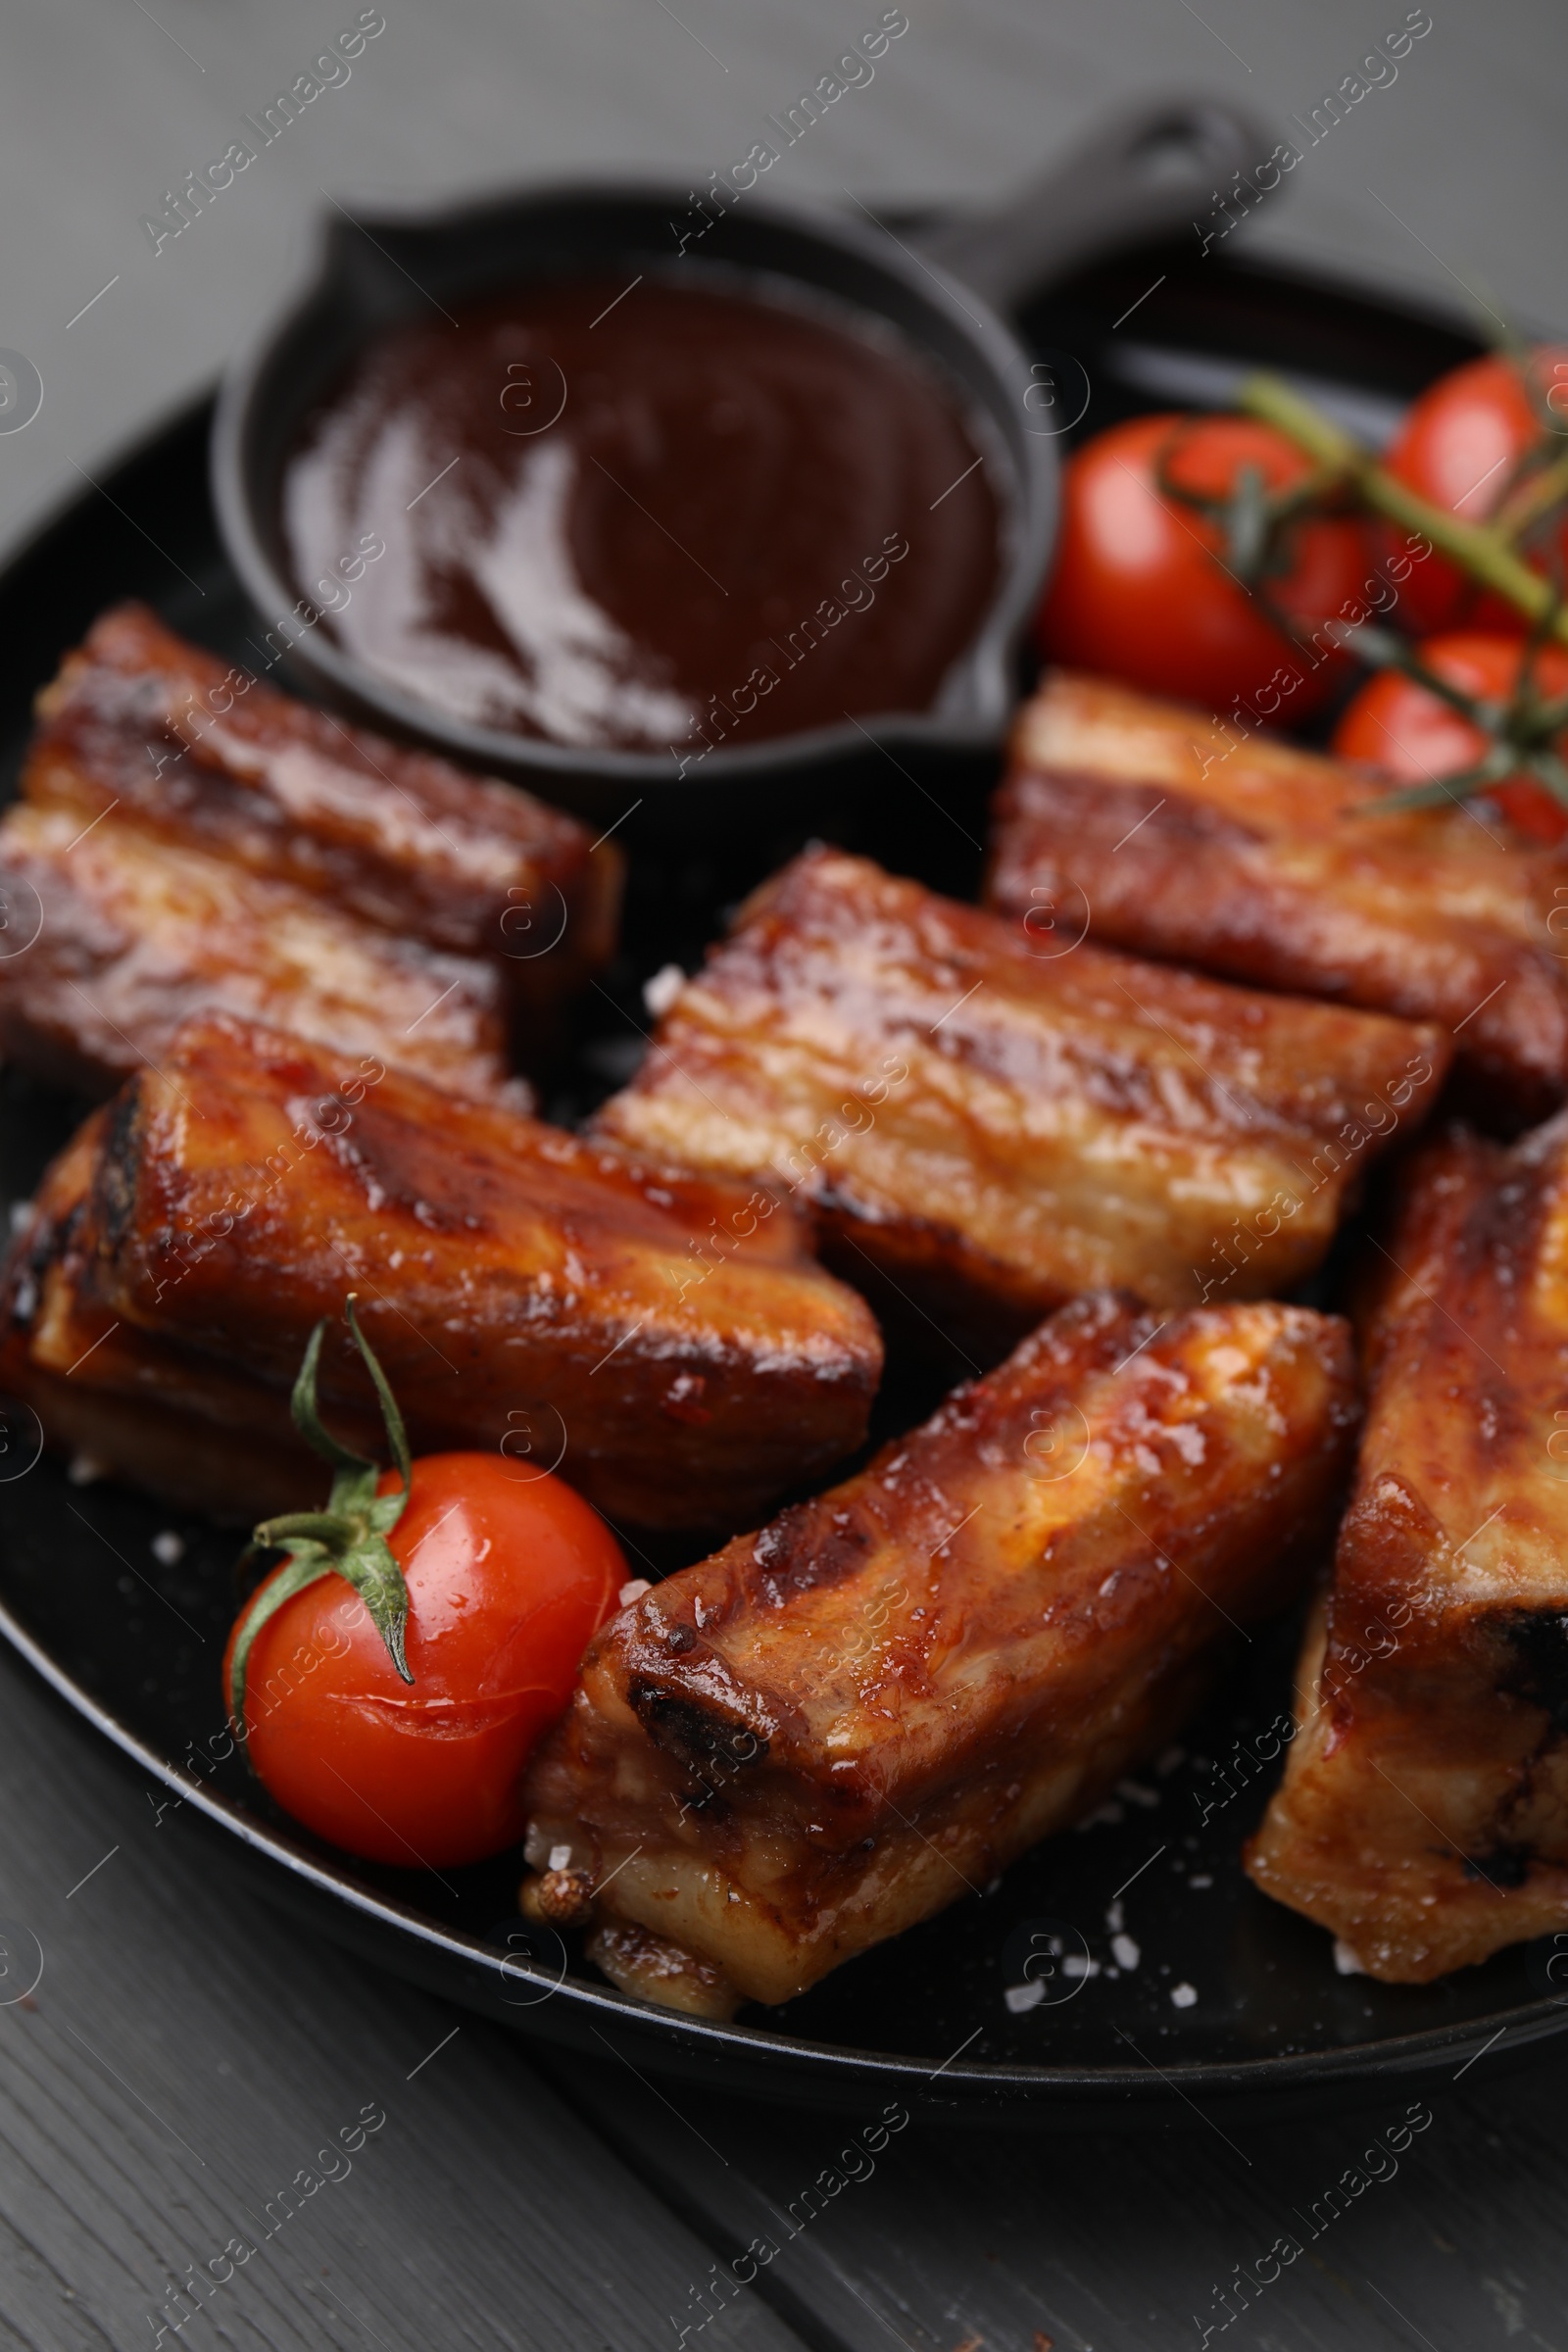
[1153,173]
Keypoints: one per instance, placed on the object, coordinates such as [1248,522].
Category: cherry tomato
[1140,589]
[508,1578]
[1460,446]
[1396,725]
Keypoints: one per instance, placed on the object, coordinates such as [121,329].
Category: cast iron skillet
[1143,177]
[132,1643]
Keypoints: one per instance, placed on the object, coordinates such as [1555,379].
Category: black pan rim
[1408,2056]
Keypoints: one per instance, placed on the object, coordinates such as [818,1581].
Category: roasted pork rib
[839,1726]
[1171,835]
[195,1432]
[189,837]
[990,1125]
[1424,1810]
[666,1336]
[135,935]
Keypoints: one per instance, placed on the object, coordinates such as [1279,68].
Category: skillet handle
[1145,174]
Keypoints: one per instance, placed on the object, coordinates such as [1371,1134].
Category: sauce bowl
[945,290]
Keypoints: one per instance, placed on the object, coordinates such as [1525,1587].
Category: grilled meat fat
[668,1336]
[1171,835]
[984,1126]
[835,1727]
[1423,1815]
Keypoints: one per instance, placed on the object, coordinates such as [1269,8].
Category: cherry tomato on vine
[1146,583]
[1471,443]
[1398,725]
[392,1676]
[507,1582]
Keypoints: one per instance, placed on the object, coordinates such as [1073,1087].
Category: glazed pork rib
[990,1129]
[1423,1815]
[195,838]
[194,1432]
[668,1337]
[1173,836]
[135,935]
[835,1727]
[400,837]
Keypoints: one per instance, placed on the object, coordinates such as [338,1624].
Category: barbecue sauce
[648,518]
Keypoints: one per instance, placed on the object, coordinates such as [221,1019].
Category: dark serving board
[133,1642]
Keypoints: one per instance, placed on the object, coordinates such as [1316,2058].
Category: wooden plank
[184,2065]
[964,2237]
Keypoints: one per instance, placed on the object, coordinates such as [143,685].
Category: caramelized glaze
[836,1727]
[1261,862]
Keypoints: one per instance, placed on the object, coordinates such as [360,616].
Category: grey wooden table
[185,2056]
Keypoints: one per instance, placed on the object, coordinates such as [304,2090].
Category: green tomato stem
[349,1538]
[1478,550]
[1531,499]
[299,1572]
